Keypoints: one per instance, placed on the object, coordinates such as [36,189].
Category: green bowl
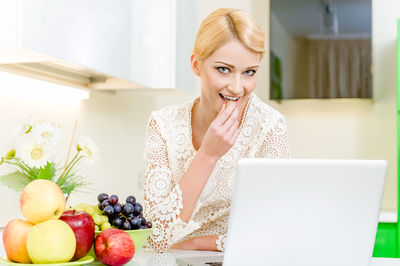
[139,237]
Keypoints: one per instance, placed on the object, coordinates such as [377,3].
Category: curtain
[340,68]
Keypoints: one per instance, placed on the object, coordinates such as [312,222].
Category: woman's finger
[225,113]
[231,133]
[231,120]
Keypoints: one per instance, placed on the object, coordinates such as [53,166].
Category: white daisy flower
[34,154]
[88,149]
[9,151]
[26,125]
[46,133]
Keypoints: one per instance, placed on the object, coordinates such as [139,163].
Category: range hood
[34,65]
[91,44]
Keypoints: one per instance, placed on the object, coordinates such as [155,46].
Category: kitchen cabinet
[100,44]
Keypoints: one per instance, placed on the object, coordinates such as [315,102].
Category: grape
[117,208]
[97,210]
[96,219]
[137,209]
[104,219]
[131,200]
[128,208]
[105,203]
[118,222]
[96,227]
[81,207]
[105,226]
[113,199]
[126,225]
[108,211]
[90,209]
[135,223]
[102,196]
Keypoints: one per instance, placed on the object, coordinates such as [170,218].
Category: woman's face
[230,73]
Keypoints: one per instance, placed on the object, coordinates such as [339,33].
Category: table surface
[150,258]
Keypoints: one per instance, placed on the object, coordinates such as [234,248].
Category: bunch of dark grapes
[127,216]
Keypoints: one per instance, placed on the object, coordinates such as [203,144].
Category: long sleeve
[162,196]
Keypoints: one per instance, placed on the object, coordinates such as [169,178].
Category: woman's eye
[223,70]
[249,72]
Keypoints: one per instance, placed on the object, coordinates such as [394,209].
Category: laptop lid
[304,212]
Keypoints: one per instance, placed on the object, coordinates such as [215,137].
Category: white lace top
[169,152]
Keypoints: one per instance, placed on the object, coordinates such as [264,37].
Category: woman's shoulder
[265,112]
[172,112]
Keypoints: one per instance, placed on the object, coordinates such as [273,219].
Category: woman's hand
[222,132]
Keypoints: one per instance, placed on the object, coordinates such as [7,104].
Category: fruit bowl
[81,261]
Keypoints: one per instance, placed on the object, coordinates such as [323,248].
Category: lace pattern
[221,242]
[168,154]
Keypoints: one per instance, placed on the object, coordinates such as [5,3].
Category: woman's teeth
[228,98]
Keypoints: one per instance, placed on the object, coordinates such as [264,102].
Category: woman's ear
[194,62]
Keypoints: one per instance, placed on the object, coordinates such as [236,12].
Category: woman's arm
[219,138]
[198,243]
[170,205]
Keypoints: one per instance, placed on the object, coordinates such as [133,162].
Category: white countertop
[148,257]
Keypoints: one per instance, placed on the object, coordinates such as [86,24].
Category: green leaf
[72,183]
[16,181]
[47,172]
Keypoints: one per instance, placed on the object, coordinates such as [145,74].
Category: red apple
[114,247]
[83,226]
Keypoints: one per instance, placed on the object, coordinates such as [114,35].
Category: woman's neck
[202,115]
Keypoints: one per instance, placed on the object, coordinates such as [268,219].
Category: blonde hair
[224,25]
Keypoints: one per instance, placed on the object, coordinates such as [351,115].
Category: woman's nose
[236,86]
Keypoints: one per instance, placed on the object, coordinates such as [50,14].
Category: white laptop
[303,212]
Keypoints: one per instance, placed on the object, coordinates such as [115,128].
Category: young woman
[192,149]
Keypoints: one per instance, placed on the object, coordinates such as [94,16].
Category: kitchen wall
[116,123]
[317,129]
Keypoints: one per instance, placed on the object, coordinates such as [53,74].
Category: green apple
[42,200]
[52,241]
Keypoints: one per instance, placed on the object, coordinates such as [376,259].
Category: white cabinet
[119,44]
[162,41]
[91,33]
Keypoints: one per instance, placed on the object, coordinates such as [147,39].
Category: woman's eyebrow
[232,66]
[229,65]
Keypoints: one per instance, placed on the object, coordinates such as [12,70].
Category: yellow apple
[42,200]
[14,240]
[52,241]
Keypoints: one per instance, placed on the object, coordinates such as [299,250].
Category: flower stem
[22,167]
[69,167]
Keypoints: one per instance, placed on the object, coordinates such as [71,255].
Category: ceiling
[303,17]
